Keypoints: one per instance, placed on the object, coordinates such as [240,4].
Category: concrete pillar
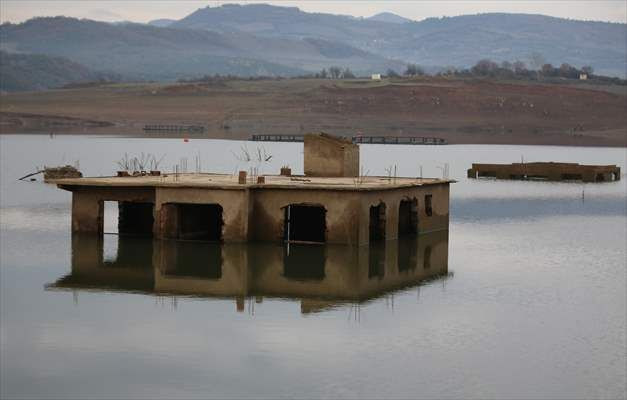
[87,213]
[391,220]
[343,220]
[166,222]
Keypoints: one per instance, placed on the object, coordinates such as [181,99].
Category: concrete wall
[326,155]
[342,213]
[259,214]
[351,160]
[234,202]
[88,204]
[347,212]
[438,220]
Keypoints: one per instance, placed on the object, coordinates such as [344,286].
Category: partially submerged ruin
[331,203]
[547,171]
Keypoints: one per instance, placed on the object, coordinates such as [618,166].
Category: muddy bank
[459,111]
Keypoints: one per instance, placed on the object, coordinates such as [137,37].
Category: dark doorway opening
[377,222]
[429,205]
[408,217]
[304,263]
[600,178]
[305,223]
[200,222]
[135,219]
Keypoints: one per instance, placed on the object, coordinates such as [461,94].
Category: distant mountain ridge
[389,17]
[162,23]
[449,41]
[261,39]
[141,51]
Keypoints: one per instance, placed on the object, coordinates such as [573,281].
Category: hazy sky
[144,11]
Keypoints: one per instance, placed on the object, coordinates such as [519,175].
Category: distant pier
[174,128]
[358,139]
[550,171]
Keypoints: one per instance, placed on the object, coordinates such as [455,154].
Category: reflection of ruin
[327,237]
[320,276]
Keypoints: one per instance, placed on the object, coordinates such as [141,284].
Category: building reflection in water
[320,276]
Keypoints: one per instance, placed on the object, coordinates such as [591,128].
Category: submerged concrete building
[329,204]
[551,171]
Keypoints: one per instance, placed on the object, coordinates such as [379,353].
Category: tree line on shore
[484,68]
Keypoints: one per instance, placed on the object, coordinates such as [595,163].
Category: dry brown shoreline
[459,111]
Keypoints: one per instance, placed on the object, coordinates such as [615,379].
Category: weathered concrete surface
[547,170]
[330,156]
[235,210]
[225,181]
[257,211]
[438,220]
[88,204]
[342,218]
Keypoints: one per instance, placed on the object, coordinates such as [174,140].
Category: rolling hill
[265,40]
[389,17]
[162,22]
[455,41]
[140,51]
[36,72]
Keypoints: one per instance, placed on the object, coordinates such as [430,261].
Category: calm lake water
[524,297]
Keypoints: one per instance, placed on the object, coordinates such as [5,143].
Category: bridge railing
[407,140]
